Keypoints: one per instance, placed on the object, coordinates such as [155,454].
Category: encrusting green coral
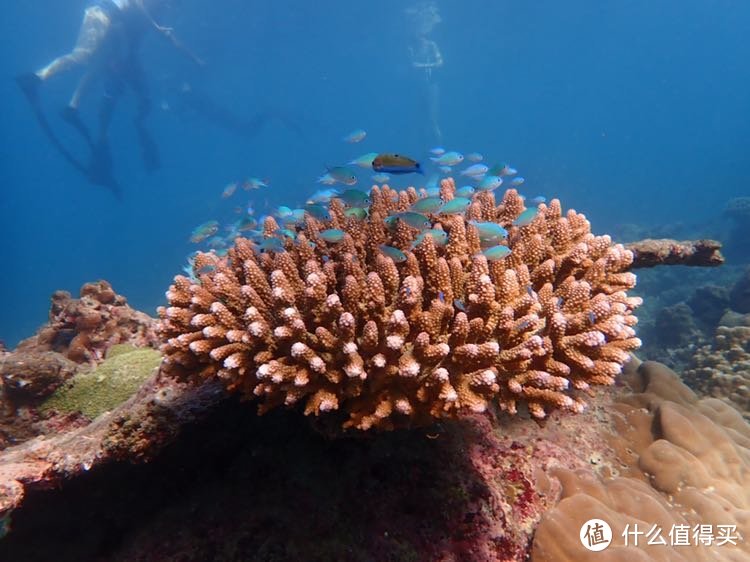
[108,385]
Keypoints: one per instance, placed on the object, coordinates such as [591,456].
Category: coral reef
[709,303]
[30,376]
[650,253]
[739,296]
[676,325]
[79,335]
[722,368]
[108,385]
[83,329]
[671,336]
[396,338]
[683,462]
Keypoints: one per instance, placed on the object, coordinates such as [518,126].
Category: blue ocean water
[632,112]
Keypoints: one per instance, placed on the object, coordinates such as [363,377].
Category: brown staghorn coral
[344,327]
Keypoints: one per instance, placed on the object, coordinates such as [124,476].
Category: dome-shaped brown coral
[342,326]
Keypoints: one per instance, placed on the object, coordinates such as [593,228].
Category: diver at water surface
[107,49]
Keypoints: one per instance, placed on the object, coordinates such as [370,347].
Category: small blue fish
[475,170]
[356,212]
[489,230]
[286,232]
[440,237]
[465,191]
[394,253]
[538,200]
[332,235]
[341,174]
[216,242]
[254,183]
[381,178]
[326,179]
[432,191]
[283,212]
[489,183]
[271,245]
[515,182]
[203,231]
[445,169]
[474,157]
[246,223]
[354,198]
[427,205]
[437,151]
[441,296]
[526,217]
[414,220]
[364,161]
[298,216]
[355,136]
[449,159]
[229,190]
[318,211]
[501,170]
[496,252]
[459,304]
[523,325]
[322,196]
[456,205]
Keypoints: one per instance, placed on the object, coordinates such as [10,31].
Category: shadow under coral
[240,487]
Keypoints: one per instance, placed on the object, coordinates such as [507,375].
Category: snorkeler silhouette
[426,56]
[107,48]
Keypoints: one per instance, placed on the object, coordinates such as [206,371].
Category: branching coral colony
[400,338]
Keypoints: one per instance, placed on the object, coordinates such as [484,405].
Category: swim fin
[149,149]
[100,170]
[29,84]
[70,115]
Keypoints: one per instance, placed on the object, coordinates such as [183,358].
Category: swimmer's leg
[100,169]
[94,29]
[70,112]
[149,149]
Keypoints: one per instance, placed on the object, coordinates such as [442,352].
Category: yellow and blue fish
[389,163]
